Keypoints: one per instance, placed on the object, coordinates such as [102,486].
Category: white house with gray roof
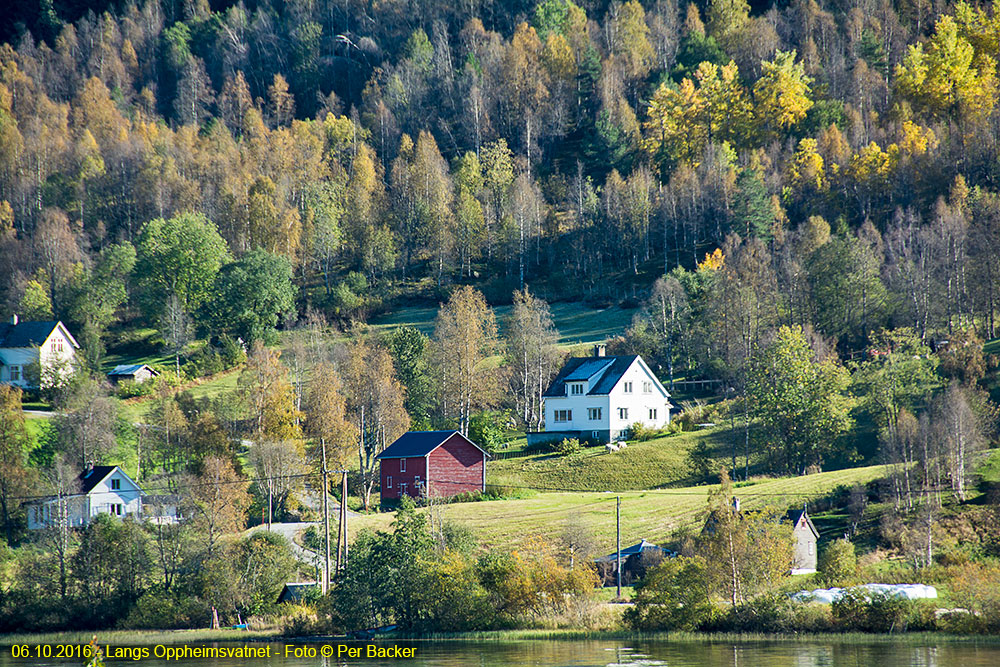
[30,351]
[100,490]
[598,398]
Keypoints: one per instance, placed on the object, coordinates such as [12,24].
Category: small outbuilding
[297,591]
[636,559]
[436,464]
[137,373]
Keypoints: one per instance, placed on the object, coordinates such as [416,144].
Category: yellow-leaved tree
[946,78]
[782,94]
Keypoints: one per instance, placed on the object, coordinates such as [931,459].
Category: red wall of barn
[415,466]
[455,467]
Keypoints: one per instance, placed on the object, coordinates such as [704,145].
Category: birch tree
[465,337]
[530,341]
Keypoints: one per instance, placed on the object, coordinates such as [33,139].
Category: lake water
[575,653]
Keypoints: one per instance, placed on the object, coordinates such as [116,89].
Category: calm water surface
[601,653]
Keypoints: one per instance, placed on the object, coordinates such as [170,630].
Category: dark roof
[420,443]
[91,478]
[583,368]
[589,368]
[131,369]
[794,516]
[632,551]
[25,334]
[295,592]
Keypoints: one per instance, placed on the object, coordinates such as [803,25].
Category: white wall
[22,357]
[637,402]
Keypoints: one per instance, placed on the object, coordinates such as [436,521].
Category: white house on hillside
[44,347]
[598,398]
[102,490]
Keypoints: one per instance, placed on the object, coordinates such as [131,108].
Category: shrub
[162,611]
[567,446]
[487,429]
[129,389]
[672,596]
[858,609]
[838,562]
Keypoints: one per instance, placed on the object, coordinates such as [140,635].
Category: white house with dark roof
[100,490]
[598,398]
[42,347]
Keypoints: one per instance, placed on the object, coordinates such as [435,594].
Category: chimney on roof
[13,319]
[736,505]
[600,349]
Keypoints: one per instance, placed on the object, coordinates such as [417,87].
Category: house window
[563,415]
[594,414]
[576,388]
[647,387]
[388,481]
[622,413]
[15,373]
[811,547]
[595,434]
[402,465]
[116,509]
[116,485]
[628,387]
[402,488]
[652,413]
[59,345]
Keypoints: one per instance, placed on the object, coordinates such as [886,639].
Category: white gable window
[116,485]
[576,388]
[627,386]
[402,465]
[563,415]
[652,413]
[647,387]
[594,414]
[622,413]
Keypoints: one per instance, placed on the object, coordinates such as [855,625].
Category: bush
[859,610]
[158,610]
[566,446]
[129,389]
[487,429]
[838,562]
[672,596]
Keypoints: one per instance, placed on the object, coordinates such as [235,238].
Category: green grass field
[654,514]
[643,465]
[577,323]
[137,410]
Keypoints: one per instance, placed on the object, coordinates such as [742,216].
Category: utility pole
[326,521]
[618,542]
[342,525]
[270,485]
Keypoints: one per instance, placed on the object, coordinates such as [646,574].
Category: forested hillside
[844,155]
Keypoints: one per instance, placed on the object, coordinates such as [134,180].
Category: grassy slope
[137,410]
[577,323]
[654,514]
[643,465]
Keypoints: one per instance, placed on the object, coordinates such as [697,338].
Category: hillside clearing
[654,515]
[577,323]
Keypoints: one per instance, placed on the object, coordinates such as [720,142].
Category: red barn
[446,463]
